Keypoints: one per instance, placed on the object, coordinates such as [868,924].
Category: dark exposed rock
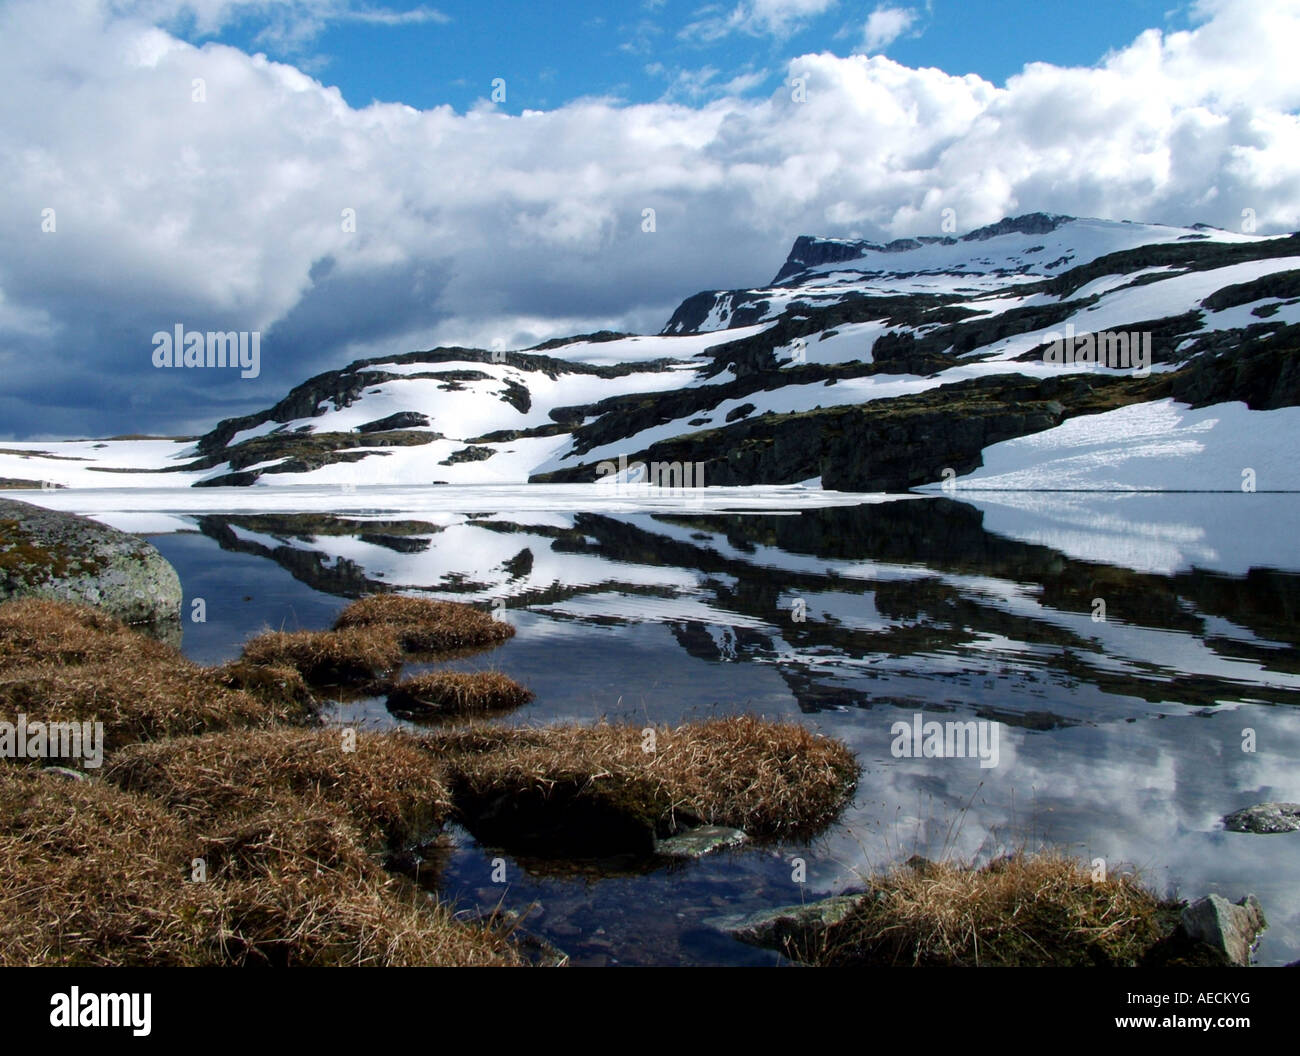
[691,313]
[467,454]
[303,452]
[517,396]
[1283,285]
[400,420]
[1029,224]
[594,338]
[341,388]
[809,251]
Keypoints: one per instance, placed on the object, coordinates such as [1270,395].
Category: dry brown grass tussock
[36,631]
[771,779]
[352,655]
[452,693]
[426,626]
[392,791]
[1025,909]
[61,662]
[91,874]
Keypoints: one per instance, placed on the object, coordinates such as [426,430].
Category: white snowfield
[466,400]
[1160,446]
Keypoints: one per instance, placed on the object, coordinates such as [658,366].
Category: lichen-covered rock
[1265,818]
[793,930]
[48,554]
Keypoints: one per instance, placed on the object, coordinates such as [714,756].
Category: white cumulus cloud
[885,25]
[479,227]
[777,18]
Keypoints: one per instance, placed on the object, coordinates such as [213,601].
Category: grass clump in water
[1025,909]
[455,693]
[423,625]
[266,681]
[340,657]
[614,788]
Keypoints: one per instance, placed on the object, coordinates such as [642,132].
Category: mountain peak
[810,251]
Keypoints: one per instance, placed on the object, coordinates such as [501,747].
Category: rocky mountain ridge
[866,366]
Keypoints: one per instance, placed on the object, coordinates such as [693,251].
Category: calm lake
[1138,653]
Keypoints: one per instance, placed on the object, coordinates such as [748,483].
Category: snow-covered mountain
[868,367]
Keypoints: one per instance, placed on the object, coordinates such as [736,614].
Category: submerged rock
[48,554]
[1265,818]
[793,930]
[1226,928]
[702,840]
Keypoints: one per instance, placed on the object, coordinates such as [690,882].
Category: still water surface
[1118,737]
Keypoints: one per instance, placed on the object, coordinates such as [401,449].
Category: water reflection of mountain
[907,603]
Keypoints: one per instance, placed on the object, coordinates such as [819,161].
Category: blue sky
[199,156]
[449,53]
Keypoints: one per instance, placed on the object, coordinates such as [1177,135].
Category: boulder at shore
[1230,930]
[47,554]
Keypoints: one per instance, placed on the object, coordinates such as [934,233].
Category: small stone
[697,842]
[65,772]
